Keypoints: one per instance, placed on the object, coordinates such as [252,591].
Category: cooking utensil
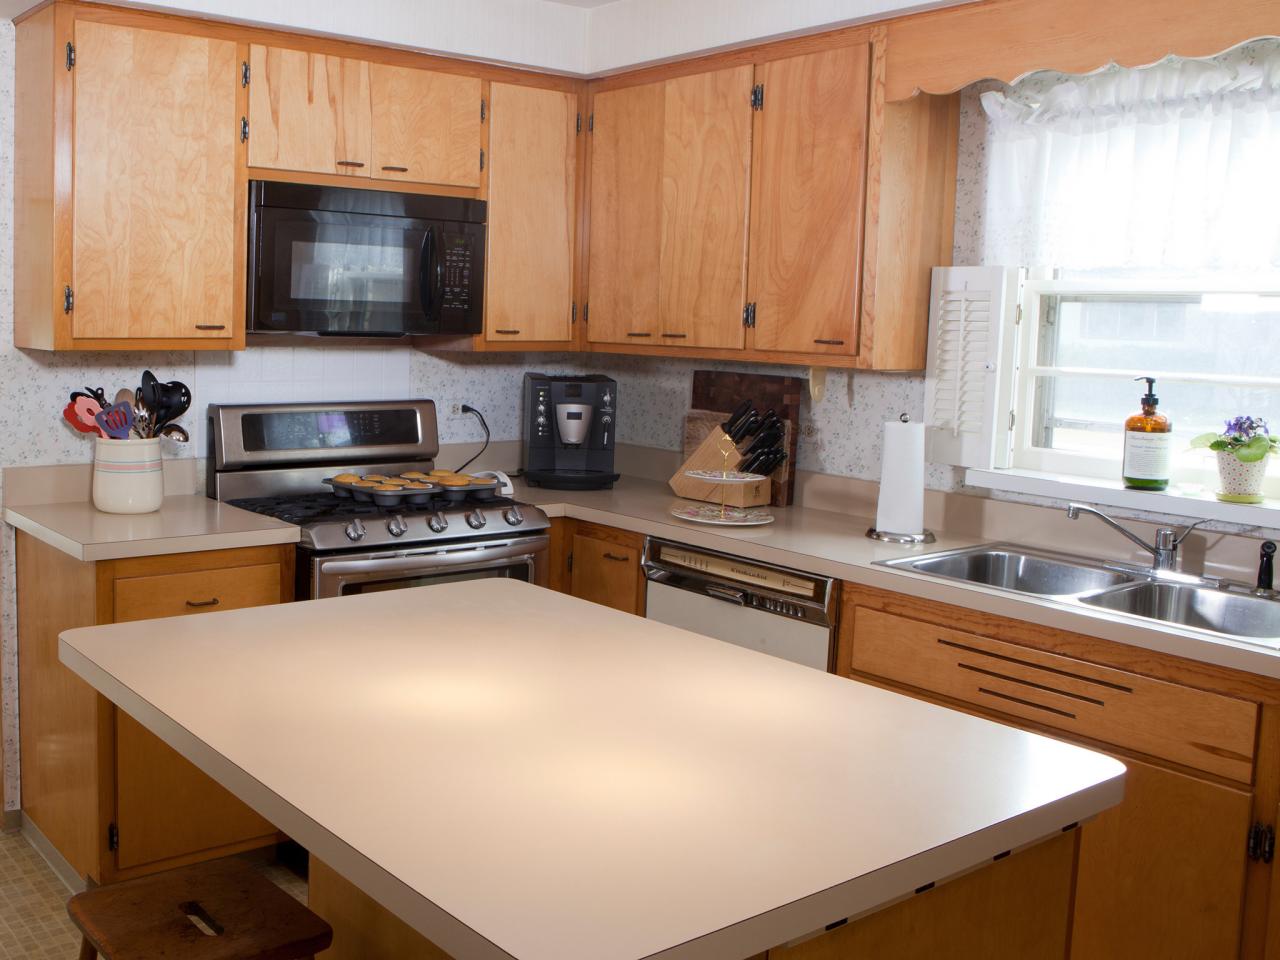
[69,414]
[86,410]
[175,431]
[773,459]
[97,393]
[740,411]
[764,441]
[744,425]
[116,421]
[166,401]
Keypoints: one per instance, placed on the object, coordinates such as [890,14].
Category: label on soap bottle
[1147,455]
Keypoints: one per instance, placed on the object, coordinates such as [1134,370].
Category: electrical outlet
[453,410]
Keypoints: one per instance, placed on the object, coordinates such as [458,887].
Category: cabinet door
[426,126]
[165,806]
[706,166]
[156,212]
[531,214]
[308,112]
[626,215]
[808,195]
[606,571]
[1162,875]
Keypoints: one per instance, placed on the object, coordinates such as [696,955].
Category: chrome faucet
[1164,551]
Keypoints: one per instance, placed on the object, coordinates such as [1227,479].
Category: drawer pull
[1031,683]
[1031,665]
[507,333]
[350,163]
[211,326]
[830,343]
[639,334]
[211,602]
[614,556]
[1027,703]
[676,336]
[397,169]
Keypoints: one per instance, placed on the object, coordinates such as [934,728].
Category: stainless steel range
[273,458]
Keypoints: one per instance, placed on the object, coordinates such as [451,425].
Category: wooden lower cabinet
[603,566]
[1167,872]
[112,798]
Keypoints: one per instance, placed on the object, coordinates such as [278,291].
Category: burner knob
[355,530]
[397,527]
[476,519]
[438,523]
[513,515]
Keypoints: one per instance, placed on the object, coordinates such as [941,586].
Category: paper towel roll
[900,508]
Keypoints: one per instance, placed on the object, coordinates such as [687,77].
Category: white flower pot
[128,475]
[1240,482]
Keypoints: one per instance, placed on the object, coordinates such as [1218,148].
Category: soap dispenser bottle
[1148,444]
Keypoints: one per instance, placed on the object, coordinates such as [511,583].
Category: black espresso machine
[569,427]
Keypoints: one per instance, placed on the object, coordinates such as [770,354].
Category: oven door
[523,558]
[361,275]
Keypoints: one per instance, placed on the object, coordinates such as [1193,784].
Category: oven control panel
[457,261]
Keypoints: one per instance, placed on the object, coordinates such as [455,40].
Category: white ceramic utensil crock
[128,475]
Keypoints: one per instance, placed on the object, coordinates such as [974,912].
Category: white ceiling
[583,37]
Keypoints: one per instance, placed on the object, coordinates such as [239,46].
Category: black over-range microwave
[332,261]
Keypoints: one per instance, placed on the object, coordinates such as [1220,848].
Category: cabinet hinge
[483,109]
[591,123]
[578,126]
[113,837]
[244,129]
[573,313]
[1013,418]
[71,54]
[749,315]
[68,299]
[482,159]
[757,97]
[585,307]
[244,73]
[569,563]
[1261,845]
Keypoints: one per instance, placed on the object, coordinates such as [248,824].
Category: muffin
[346,478]
[485,481]
[376,477]
[442,473]
[454,481]
[414,475]
[386,488]
[415,485]
[363,483]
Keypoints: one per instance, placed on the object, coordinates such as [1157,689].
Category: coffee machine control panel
[541,412]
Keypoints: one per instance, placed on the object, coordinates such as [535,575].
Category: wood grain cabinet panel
[309,112]
[706,167]
[426,126]
[155,211]
[532,186]
[606,568]
[1162,875]
[181,594]
[626,214]
[808,186]
[1196,728]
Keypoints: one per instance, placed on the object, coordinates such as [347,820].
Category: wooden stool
[224,910]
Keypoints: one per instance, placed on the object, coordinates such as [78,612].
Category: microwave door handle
[425,288]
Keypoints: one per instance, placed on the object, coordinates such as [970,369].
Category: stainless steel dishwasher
[771,609]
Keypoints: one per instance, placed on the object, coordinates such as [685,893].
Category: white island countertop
[520,774]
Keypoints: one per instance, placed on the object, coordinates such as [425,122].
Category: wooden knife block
[709,456]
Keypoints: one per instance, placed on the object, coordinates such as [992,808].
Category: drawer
[200,591]
[1207,731]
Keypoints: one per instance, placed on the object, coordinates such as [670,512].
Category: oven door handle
[440,560]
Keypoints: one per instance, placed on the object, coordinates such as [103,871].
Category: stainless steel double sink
[1178,599]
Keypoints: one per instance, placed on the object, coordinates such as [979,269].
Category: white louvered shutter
[968,389]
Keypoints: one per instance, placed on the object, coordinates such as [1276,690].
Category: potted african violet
[1243,449]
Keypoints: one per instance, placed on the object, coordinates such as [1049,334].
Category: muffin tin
[432,489]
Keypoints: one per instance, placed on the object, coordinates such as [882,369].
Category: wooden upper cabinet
[706,168]
[308,112]
[626,214]
[531,214]
[808,192]
[157,216]
[426,126]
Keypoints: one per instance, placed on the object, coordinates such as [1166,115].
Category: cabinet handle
[507,332]
[639,334]
[676,336]
[350,163]
[211,602]
[830,343]
[211,326]
[397,169]
[614,556]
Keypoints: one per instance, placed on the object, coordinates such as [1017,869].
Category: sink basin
[1190,605]
[1045,575]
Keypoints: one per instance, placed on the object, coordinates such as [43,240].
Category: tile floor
[33,914]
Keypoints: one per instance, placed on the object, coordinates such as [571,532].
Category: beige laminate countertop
[835,545]
[184,524]
[520,774]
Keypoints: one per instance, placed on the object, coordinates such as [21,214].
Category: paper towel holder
[904,538]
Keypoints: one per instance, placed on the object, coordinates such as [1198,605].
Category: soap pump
[1148,444]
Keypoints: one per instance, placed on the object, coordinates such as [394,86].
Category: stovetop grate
[325,507]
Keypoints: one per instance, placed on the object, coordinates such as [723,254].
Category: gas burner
[313,508]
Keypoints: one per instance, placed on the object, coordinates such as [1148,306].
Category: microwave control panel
[457,256]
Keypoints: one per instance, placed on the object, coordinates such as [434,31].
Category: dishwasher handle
[726,594]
